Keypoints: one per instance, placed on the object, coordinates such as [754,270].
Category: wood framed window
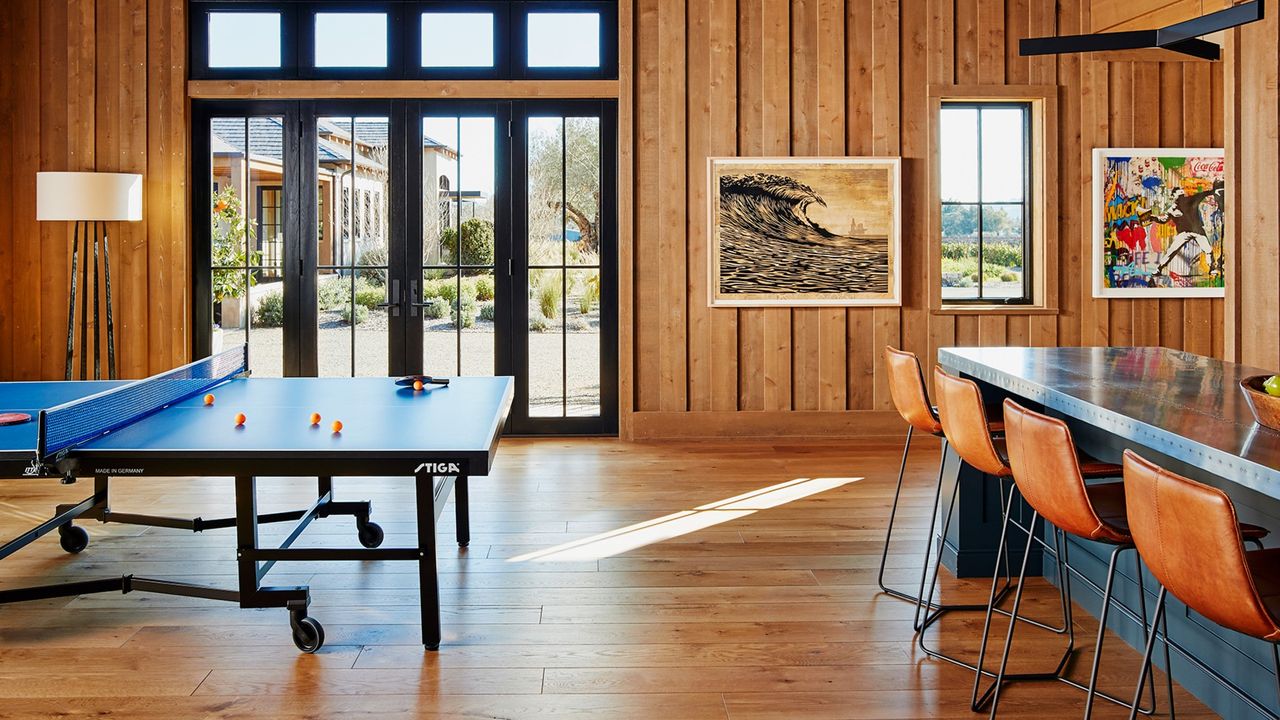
[993,199]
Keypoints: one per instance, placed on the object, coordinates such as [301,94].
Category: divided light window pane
[1003,155]
[457,39]
[351,40]
[244,40]
[564,39]
[958,142]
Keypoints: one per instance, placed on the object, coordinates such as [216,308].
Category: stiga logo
[443,468]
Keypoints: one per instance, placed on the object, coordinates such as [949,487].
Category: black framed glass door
[387,237]
[565,266]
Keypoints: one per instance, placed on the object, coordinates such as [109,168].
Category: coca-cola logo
[1201,167]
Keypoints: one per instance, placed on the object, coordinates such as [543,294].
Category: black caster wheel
[73,538]
[370,534]
[308,634]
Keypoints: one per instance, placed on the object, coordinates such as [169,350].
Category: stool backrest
[1189,537]
[964,420]
[1047,471]
[907,388]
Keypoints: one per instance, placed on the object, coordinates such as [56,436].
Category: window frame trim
[1041,204]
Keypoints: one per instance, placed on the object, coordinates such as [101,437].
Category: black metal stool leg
[928,543]
[974,703]
[1013,619]
[1146,658]
[888,533]
[1102,632]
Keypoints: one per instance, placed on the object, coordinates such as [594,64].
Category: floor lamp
[90,200]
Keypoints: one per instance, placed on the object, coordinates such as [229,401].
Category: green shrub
[270,310]
[590,294]
[362,314]
[448,289]
[538,323]
[579,324]
[468,309]
[488,312]
[435,273]
[1008,276]
[1005,254]
[548,292]
[477,243]
[332,293]
[370,297]
[484,287]
[436,308]
[373,256]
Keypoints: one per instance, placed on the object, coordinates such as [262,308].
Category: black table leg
[462,511]
[428,587]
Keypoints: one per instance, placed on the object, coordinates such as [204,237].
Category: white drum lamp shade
[88,196]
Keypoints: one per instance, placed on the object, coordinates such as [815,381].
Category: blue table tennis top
[379,418]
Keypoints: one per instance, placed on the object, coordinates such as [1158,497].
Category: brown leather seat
[990,455]
[1188,534]
[911,396]
[1050,477]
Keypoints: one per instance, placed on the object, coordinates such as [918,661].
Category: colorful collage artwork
[1158,222]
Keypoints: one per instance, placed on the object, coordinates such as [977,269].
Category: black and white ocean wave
[768,243]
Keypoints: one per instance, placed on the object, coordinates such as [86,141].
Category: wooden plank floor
[604,580]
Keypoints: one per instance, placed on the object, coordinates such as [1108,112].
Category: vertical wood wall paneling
[672,200]
[97,86]
[807,343]
[833,329]
[723,141]
[646,188]
[862,355]
[751,338]
[835,77]
[885,141]
[698,318]
[775,106]
[24,233]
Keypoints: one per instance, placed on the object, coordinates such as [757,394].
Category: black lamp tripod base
[99,239]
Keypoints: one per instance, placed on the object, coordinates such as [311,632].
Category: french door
[394,237]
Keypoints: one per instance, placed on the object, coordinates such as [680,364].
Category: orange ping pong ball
[315,418]
[417,384]
[240,418]
[337,426]
[208,399]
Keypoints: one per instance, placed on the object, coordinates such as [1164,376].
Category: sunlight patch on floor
[649,532]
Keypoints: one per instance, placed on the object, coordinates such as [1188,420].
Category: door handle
[414,302]
[393,299]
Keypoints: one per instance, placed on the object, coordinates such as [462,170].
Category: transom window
[404,39]
[986,195]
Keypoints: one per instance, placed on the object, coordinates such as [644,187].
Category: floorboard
[699,580]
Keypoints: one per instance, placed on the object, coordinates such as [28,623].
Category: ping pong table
[161,426]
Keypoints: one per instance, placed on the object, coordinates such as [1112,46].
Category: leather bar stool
[962,414]
[1190,539]
[911,399]
[1048,474]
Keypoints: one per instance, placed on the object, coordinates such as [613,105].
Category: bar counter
[1181,410]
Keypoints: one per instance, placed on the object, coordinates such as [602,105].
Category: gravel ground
[440,347]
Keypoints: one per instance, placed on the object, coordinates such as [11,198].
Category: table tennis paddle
[424,379]
[14,418]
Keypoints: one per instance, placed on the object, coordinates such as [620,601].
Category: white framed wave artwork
[797,231]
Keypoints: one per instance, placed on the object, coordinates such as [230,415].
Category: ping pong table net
[66,426]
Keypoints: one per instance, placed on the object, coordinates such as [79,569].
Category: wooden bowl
[1265,407]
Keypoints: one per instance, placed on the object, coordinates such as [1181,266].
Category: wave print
[768,243]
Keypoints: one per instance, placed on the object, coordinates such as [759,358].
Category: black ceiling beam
[1183,37]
